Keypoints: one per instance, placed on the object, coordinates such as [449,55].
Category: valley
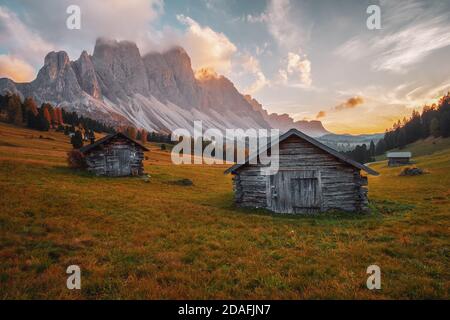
[158,240]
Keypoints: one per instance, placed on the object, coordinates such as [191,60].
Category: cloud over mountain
[351,103]
[157,91]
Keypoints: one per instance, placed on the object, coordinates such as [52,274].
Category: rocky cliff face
[56,81]
[86,75]
[158,91]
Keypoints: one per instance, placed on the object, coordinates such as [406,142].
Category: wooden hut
[398,158]
[311,178]
[114,155]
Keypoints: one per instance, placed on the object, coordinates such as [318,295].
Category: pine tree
[14,110]
[55,117]
[30,111]
[77,140]
[41,122]
[60,116]
[381,147]
[372,149]
[143,136]
[31,120]
[138,135]
[131,132]
[434,128]
[401,139]
[46,112]
[31,105]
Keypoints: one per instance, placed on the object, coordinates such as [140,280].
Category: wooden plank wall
[101,160]
[342,186]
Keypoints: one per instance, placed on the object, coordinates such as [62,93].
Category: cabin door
[124,156]
[295,191]
[120,165]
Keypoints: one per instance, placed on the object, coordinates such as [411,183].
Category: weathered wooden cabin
[398,158]
[311,178]
[114,155]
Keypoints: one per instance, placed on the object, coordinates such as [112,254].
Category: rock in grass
[412,171]
[182,182]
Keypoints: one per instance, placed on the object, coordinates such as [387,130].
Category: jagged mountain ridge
[284,122]
[157,91]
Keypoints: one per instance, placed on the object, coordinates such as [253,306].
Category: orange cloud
[15,69]
[351,103]
[205,74]
[321,114]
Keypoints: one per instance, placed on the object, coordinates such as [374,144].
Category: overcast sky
[310,59]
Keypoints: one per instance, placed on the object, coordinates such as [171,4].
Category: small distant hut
[114,155]
[311,178]
[398,158]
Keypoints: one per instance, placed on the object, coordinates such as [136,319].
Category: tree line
[29,114]
[80,128]
[434,121]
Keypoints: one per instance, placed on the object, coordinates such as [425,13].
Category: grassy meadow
[159,240]
[423,147]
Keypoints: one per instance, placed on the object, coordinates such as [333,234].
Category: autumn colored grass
[160,240]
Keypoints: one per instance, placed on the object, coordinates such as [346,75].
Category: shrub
[76,159]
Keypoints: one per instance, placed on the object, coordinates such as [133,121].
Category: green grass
[160,240]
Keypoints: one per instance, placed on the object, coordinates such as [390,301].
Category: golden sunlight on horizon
[372,118]
[347,129]
[16,69]
[357,124]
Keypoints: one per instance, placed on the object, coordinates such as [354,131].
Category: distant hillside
[284,122]
[346,142]
[423,147]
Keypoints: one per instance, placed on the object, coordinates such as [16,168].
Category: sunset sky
[310,59]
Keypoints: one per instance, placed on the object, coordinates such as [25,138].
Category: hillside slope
[159,240]
[423,147]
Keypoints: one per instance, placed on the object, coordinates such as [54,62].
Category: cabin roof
[301,135]
[399,155]
[105,139]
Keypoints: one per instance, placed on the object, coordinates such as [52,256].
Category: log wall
[340,185]
[117,157]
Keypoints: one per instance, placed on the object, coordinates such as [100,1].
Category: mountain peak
[84,55]
[159,91]
[57,59]
[103,41]
[177,49]
[106,48]
[178,56]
